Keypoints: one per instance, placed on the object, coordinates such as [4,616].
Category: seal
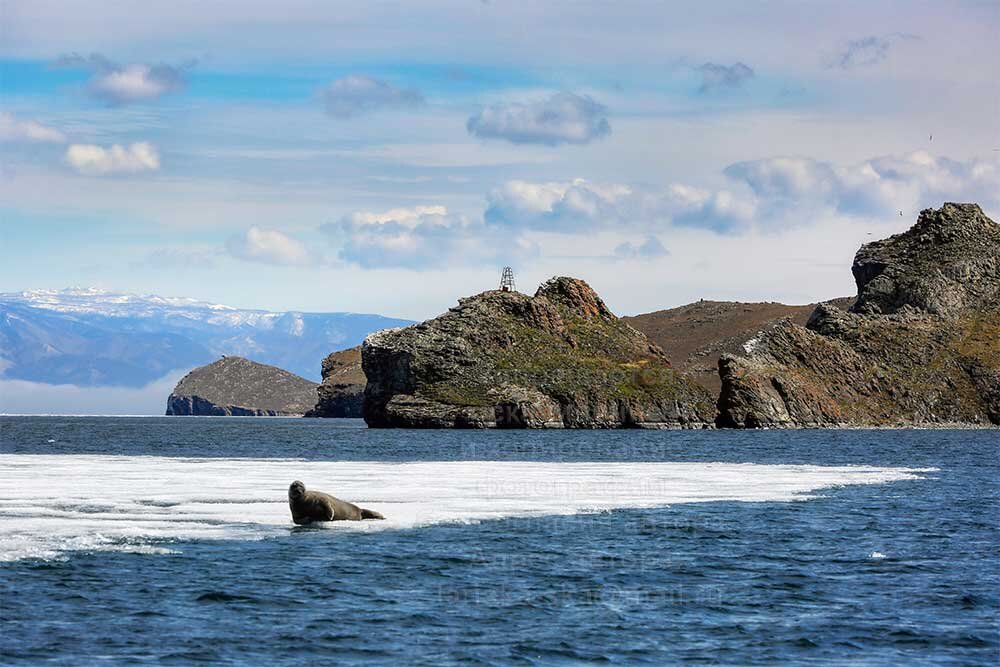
[310,506]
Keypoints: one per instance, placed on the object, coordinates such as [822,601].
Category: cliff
[342,391]
[920,345]
[695,335]
[234,386]
[504,359]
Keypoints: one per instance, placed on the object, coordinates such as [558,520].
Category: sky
[390,158]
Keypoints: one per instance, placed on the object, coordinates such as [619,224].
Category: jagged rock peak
[946,264]
[575,294]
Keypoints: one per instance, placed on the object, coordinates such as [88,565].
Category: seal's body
[310,506]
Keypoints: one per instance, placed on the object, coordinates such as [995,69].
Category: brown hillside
[695,335]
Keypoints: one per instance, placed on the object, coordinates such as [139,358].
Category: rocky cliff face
[342,390]
[920,345]
[503,359]
[233,386]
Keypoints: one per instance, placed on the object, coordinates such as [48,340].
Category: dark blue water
[712,583]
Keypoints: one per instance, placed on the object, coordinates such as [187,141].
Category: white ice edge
[50,505]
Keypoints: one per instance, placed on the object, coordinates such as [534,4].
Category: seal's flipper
[370,514]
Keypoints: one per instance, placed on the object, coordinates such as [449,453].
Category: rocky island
[919,346]
[504,359]
[234,386]
[343,388]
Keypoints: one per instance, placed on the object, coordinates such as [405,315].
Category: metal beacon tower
[507,280]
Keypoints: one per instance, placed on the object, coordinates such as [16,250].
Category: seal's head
[296,490]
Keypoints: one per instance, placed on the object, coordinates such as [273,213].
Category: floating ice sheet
[50,505]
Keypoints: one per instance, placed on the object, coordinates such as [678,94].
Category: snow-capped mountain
[95,301]
[91,337]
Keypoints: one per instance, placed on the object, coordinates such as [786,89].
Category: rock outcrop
[504,359]
[343,388]
[920,345]
[234,386]
[947,264]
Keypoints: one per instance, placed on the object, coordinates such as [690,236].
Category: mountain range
[90,337]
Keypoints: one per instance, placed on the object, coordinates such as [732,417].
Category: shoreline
[903,426]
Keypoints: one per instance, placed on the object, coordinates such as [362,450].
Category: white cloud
[578,206]
[125,84]
[422,237]
[563,118]
[767,194]
[408,217]
[133,83]
[785,177]
[94,159]
[875,188]
[568,206]
[270,246]
[28,131]
[356,95]
[719,210]
[520,214]
[724,76]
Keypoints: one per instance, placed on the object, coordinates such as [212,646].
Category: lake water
[169,541]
